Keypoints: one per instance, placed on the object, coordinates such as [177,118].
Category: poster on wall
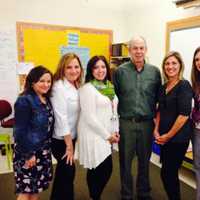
[44,44]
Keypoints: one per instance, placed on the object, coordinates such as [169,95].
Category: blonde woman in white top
[97,126]
[65,102]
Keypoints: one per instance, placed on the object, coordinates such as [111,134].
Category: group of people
[59,114]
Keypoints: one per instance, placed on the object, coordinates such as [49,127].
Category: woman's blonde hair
[64,61]
[180,60]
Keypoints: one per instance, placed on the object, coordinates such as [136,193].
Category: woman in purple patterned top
[196,116]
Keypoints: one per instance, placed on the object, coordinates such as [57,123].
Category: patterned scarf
[105,88]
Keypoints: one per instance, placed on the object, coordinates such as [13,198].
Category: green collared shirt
[137,91]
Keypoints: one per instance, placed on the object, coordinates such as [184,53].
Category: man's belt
[137,119]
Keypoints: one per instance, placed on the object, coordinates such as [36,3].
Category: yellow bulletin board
[44,44]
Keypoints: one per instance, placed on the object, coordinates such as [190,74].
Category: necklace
[171,85]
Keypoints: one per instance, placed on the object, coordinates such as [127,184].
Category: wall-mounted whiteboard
[8,58]
[184,36]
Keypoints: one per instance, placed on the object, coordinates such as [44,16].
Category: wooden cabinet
[118,60]
[119,54]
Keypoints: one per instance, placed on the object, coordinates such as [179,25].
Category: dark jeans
[63,186]
[196,158]
[135,139]
[98,178]
[172,155]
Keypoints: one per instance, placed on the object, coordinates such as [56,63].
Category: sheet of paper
[24,67]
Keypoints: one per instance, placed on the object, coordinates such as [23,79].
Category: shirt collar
[36,98]
[68,84]
[135,69]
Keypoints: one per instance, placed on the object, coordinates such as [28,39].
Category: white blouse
[65,102]
[95,126]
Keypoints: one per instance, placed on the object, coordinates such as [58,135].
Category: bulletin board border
[21,26]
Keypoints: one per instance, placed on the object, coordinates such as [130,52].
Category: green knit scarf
[105,88]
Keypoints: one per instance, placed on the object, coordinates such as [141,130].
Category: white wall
[150,21]
[7,12]
[72,13]
[124,17]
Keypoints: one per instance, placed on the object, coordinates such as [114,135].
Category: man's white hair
[133,39]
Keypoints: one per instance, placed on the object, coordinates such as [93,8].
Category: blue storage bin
[156,148]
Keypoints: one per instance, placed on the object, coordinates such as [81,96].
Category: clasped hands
[161,139]
[30,162]
[114,138]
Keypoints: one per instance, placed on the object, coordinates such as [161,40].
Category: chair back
[5,109]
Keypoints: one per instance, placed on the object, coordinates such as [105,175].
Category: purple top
[196,109]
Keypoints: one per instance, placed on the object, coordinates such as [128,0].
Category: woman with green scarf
[98,125]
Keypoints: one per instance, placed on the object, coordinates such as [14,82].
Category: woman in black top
[173,127]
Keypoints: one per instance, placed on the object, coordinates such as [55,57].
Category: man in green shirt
[136,85]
